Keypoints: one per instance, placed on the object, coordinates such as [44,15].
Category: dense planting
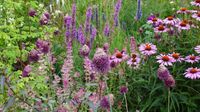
[99,55]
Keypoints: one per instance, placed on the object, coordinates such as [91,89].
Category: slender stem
[168,109]
[126,102]
[108,96]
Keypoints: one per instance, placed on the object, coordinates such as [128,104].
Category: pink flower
[183,25]
[154,21]
[147,49]
[166,60]
[177,57]
[183,10]
[195,3]
[197,49]
[161,29]
[134,61]
[192,59]
[196,16]
[119,56]
[170,20]
[192,73]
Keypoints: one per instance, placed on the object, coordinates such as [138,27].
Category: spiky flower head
[101,61]
[169,81]
[163,73]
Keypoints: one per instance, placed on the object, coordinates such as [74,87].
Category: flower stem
[168,109]
[126,102]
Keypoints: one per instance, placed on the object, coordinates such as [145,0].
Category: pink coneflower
[195,3]
[119,56]
[192,73]
[192,59]
[147,49]
[183,25]
[154,20]
[170,20]
[183,10]
[197,49]
[166,60]
[134,61]
[177,57]
[196,16]
[161,29]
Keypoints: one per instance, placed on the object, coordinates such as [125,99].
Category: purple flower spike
[26,71]
[88,19]
[68,22]
[74,20]
[139,10]
[81,36]
[93,35]
[116,13]
[32,13]
[107,30]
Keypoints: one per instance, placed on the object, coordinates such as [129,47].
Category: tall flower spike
[81,36]
[92,36]
[116,13]
[101,61]
[107,30]
[67,20]
[133,45]
[88,19]
[97,17]
[139,10]
[74,20]
[89,72]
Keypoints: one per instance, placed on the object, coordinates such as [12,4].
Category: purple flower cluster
[26,71]
[32,12]
[164,75]
[101,61]
[45,18]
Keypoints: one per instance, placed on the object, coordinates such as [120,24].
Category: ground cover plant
[99,55]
